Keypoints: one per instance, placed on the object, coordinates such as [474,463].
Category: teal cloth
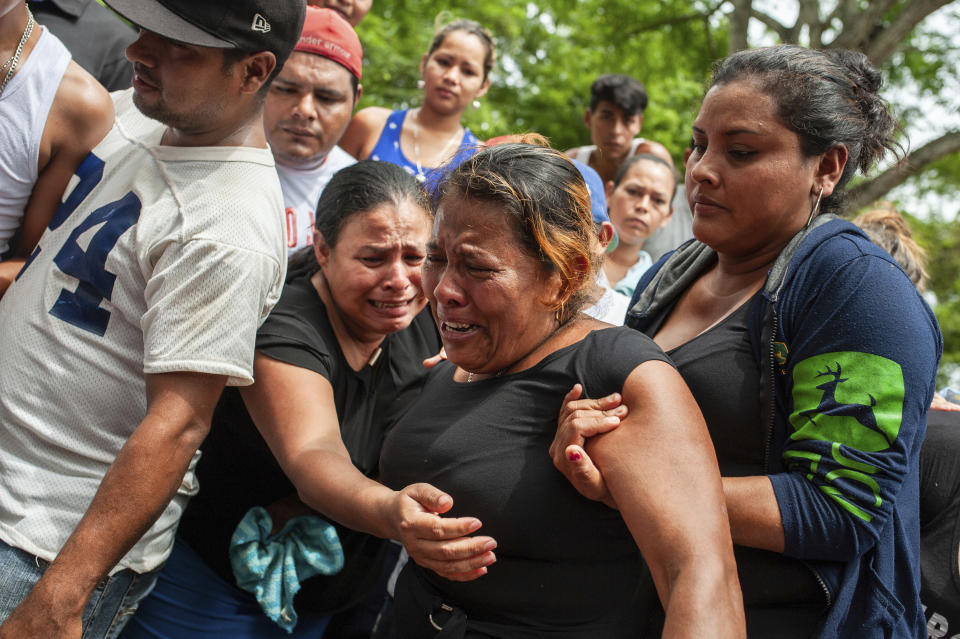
[272,566]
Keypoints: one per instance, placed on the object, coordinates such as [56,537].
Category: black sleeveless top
[719,368]
[781,594]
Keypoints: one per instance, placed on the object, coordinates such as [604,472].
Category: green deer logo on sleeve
[849,398]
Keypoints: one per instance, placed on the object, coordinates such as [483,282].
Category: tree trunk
[868,192]
[858,26]
[739,22]
[810,16]
[884,44]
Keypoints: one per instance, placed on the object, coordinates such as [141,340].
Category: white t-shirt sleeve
[205,300]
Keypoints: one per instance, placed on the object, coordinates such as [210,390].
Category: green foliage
[550,52]
[941,239]
[548,55]
[942,178]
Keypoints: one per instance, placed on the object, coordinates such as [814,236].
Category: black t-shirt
[782,596]
[719,369]
[237,471]
[940,524]
[565,564]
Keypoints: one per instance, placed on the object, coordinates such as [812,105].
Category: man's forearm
[134,492]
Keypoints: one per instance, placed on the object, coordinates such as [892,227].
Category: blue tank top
[388,149]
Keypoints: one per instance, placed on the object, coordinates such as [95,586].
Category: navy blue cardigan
[848,353]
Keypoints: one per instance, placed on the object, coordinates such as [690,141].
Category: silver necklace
[498,374]
[15,59]
[504,370]
[421,178]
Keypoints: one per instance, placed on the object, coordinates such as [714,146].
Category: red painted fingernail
[574,456]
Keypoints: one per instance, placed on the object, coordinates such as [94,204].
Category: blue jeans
[191,601]
[110,606]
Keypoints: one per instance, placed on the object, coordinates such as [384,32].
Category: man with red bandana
[307,110]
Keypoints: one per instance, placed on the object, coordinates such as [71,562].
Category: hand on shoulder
[579,420]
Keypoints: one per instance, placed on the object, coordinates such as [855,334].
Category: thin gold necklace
[416,145]
[15,58]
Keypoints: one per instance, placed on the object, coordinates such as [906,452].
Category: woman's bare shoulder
[364,131]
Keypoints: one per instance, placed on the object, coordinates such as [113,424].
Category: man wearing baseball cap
[139,304]
[307,110]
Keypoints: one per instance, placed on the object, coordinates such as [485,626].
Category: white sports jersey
[160,259]
[301,190]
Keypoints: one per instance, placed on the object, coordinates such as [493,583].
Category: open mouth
[389,305]
[458,327]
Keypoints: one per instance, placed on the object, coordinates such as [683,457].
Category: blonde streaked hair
[891,232]
[545,196]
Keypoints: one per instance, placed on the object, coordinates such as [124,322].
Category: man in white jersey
[308,107]
[141,301]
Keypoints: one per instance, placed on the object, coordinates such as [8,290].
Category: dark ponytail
[881,127]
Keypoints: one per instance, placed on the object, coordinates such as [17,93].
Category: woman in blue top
[455,71]
[807,348]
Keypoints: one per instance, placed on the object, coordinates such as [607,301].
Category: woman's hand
[579,420]
[941,403]
[430,362]
[440,544]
